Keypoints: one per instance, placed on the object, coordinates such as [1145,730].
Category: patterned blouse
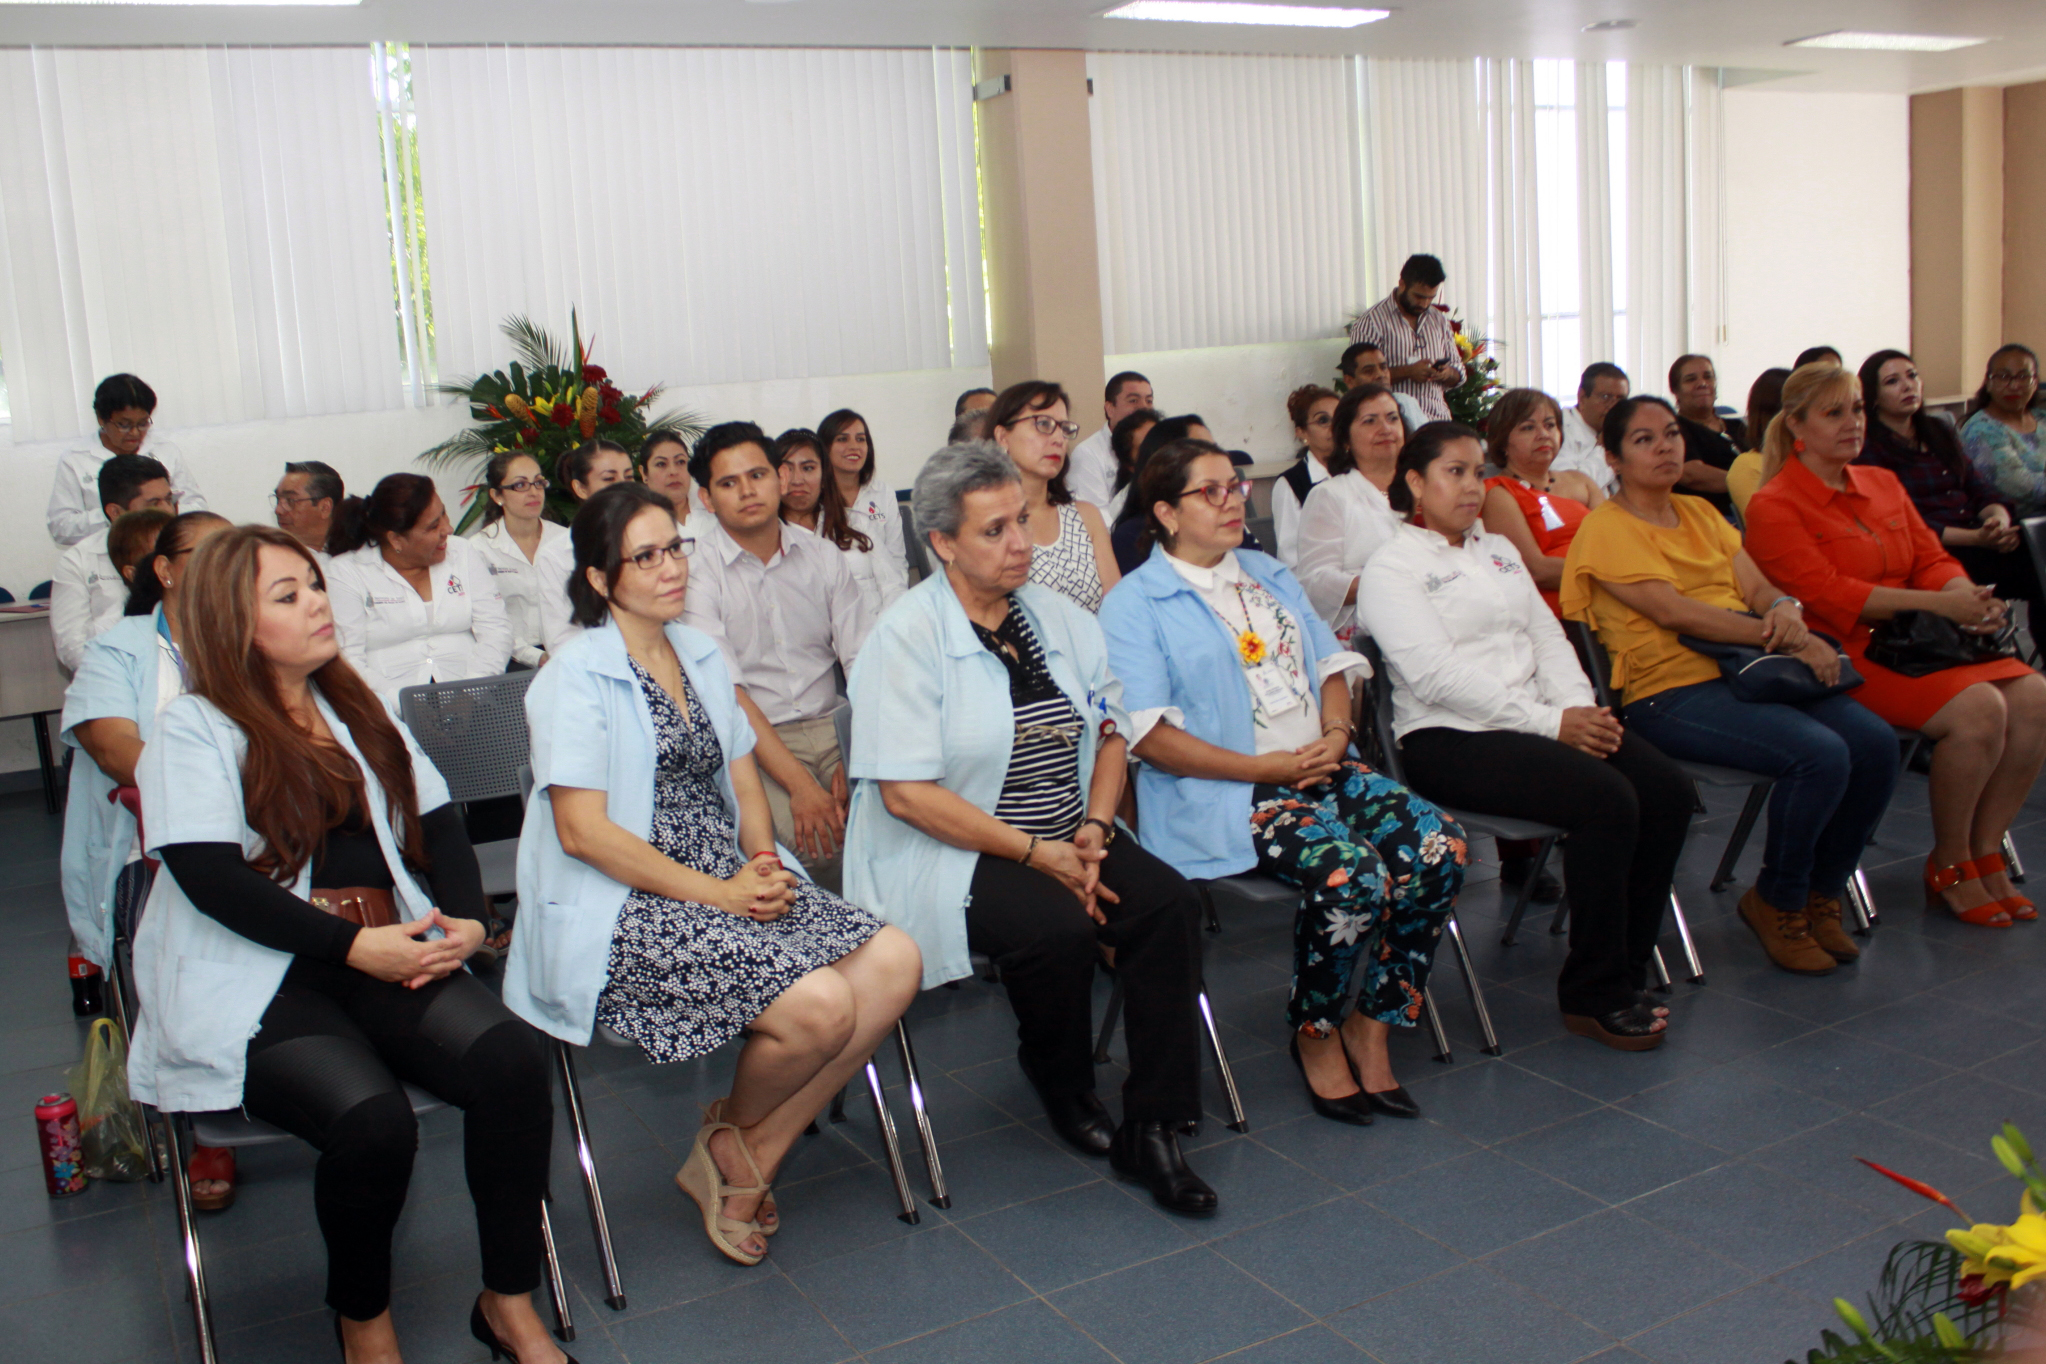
[1041,794]
[1067,565]
[2013,460]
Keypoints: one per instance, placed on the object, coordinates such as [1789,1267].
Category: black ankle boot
[1081,1119]
[1148,1153]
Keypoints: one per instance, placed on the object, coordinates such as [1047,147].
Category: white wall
[1240,390]
[1818,230]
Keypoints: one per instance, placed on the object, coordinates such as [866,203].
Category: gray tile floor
[1695,1205]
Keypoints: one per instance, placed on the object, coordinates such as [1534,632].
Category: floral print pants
[1381,869]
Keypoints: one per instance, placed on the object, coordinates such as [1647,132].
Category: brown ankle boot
[1786,936]
[1822,913]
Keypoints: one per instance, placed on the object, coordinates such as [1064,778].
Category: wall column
[1957,235]
[2024,216]
[1037,178]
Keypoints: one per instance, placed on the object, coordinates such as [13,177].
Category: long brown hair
[294,787]
[832,522]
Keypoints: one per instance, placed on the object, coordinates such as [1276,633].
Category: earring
[1798,445]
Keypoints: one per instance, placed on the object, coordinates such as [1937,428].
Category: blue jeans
[1835,765]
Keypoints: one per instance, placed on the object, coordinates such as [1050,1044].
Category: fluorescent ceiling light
[1227,12]
[1857,41]
[237,3]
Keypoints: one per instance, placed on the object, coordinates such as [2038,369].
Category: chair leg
[838,1106]
[1470,980]
[188,1234]
[557,1288]
[1541,861]
[1662,980]
[2017,864]
[941,1197]
[1237,1122]
[117,986]
[1208,908]
[1442,1051]
[892,1147]
[1863,900]
[1561,922]
[1109,1018]
[1751,810]
[593,1190]
[1676,912]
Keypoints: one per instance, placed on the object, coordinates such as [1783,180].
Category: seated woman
[1347,518]
[2002,438]
[1126,538]
[664,467]
[304,953]
[514,533]
[588,469]
[1533,507]
[871,538]
[1073,558]
[989,753]
[1648,567]
[654,900]
[1313,411]
[1241,714]
[1494,714]
[127,675]
[1961,507]
[1846,540]
[1124,441]
[412,603]
[798,459]
[812,498]
[1765,400]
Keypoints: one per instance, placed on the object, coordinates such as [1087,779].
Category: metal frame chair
[475,732]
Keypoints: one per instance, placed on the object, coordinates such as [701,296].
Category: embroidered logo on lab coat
[453,588]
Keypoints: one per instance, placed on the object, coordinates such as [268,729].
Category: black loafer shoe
[1394,1103]
[1514,872]
[1080,1119]
[1148,1153]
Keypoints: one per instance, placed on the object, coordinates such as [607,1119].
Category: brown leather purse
[366,906]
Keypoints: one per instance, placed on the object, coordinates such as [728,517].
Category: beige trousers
[815,745]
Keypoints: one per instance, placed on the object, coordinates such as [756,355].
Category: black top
[219,883]
[1716,448]
[1041,791]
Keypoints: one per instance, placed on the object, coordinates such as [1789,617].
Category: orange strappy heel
[2017,906]
[1939,879]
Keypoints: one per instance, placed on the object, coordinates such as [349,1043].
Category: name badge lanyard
[1270,687]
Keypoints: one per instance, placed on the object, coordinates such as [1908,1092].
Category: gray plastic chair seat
[1502,826]
[1261,890]
[499,863]
[232,1127]
[1714,775]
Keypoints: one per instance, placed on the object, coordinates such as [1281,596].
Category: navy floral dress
[686,978]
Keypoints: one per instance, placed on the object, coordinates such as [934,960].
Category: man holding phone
[1420,349]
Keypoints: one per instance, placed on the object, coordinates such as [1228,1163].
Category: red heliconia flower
[1923,1190]
[494,413]
[564,415]
[593,374]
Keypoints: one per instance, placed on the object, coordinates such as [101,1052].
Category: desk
[32,684]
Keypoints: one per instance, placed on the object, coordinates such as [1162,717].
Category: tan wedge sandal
[700,1178]
[769,1214]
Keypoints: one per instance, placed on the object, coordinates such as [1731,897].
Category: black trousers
[326,1068]
[1626,816]
[1046,948]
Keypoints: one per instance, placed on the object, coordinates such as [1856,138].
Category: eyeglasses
[1322,419]
[647,560]
[525,485]
[130,428]
[1218,494]
[1047,425]
[289,500]
[2004,376]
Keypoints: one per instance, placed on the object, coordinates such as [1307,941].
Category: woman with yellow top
[1647,568]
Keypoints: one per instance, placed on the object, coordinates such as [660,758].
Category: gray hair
[939,498]
[970,427]
[322,482]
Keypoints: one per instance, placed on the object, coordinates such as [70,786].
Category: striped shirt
[1406,341]
[1041,793]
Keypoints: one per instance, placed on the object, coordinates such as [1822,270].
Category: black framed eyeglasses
[647,560]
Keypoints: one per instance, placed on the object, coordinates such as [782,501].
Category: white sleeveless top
[1067,565]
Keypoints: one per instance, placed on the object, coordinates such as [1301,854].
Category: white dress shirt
[75,509]
[1582,452]
[883,571]
[553,566]
[397,639]
[518,582]
[87,595]
[1242,602]
[1090,468]
[1470,642]
[1345,519]
[1286,512]
[783,623]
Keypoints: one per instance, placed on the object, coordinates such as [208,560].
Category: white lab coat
[87,596]
[1090,468]
[396,639]
[1344,520]
[553,566]
[518,582]
[883,572]
[75,509]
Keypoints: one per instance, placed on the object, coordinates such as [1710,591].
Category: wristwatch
[1108,831]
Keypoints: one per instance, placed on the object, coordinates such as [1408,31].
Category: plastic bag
[109,1122]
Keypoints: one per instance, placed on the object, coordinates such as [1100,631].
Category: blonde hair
[1808,388]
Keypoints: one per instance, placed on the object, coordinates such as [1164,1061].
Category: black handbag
[1916,643]
[1756,675]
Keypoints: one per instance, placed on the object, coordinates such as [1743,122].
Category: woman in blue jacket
[1240,707]
[652,896]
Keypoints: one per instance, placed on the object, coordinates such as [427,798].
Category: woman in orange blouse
[1846,539]
[1528,504]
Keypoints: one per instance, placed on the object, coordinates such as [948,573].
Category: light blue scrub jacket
[116,680]
[1171,649]
[203,986]
[592,730]
[931,703]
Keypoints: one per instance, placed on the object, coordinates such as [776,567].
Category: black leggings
[1626,816]
[326,1067]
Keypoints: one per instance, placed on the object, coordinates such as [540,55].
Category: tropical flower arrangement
[546,406]
[1945,1302]
[1470,402]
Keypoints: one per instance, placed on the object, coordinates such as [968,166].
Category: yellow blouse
[1696,557]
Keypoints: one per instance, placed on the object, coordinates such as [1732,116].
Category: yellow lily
[2014,1255]
[544,406]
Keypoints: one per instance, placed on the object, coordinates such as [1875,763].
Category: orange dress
[1830,548]
[1551,517]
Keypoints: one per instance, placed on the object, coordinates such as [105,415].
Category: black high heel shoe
[479,1327]
[1354,1109]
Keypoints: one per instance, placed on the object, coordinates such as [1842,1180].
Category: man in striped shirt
[1419,347]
